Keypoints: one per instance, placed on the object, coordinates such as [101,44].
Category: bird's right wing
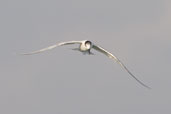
[110,55]
[53,46]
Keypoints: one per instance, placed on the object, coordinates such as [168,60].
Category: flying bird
[85,46]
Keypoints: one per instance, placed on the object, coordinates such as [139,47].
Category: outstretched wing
[53,46]
[110,55]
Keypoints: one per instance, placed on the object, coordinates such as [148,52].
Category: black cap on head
[88,42]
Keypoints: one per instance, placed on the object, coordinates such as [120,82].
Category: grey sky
[62,81]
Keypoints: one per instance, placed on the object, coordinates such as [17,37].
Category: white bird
[85,47]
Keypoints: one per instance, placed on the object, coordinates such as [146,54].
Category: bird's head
[88,44]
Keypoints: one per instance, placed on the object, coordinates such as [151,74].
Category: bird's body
[85,46]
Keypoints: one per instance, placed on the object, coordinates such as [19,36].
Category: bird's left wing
[110,55]
[52,47]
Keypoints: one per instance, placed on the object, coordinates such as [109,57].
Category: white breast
[84,47]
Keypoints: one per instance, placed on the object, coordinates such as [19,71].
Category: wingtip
[148,87]
[27,53]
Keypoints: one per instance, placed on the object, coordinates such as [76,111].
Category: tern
[85,46]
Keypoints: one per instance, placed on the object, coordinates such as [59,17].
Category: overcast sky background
[62,81]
